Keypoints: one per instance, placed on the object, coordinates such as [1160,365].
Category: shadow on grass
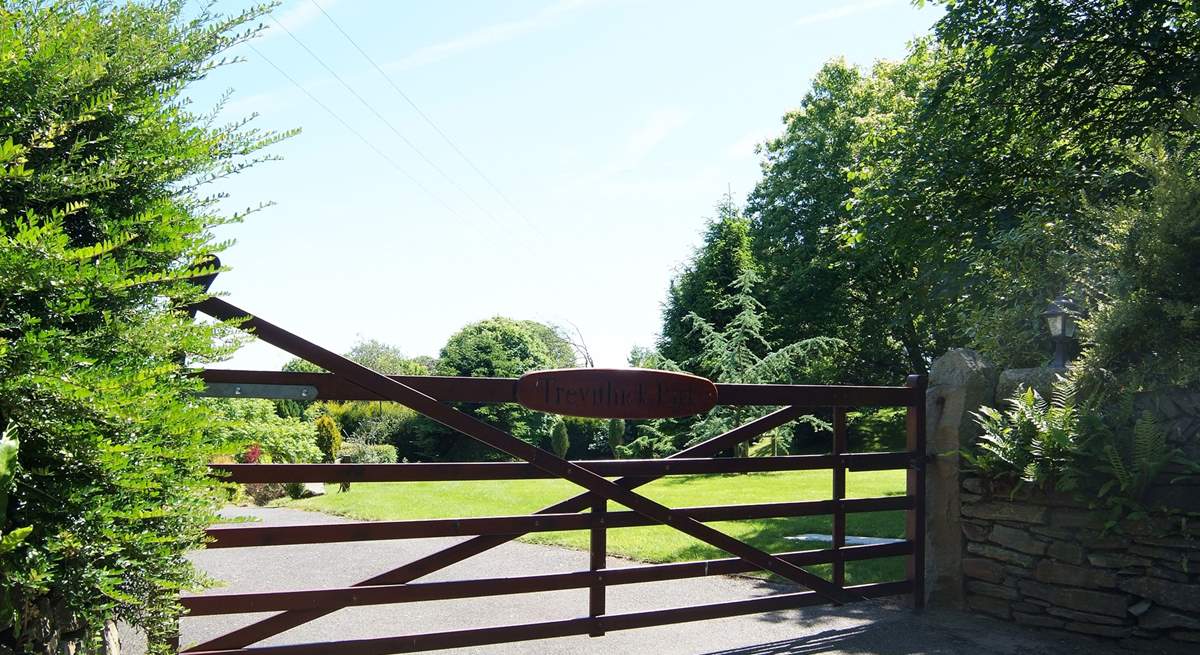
[775,536]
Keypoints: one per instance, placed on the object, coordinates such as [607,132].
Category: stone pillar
[959,383]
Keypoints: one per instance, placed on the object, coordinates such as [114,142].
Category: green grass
[414,500]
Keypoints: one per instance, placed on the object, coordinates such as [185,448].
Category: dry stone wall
[1042,559]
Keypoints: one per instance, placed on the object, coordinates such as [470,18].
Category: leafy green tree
[561,351]
[906,215]
[495,347]
[385,358]
[810,287]
[103,211]
[1101,70]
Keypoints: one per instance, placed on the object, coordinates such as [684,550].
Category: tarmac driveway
[869,627]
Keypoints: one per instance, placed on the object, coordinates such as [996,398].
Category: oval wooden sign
[633,393]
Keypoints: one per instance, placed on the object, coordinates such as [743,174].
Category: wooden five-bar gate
[636,394]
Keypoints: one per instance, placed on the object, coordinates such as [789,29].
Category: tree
[562,352]
[559,443]
[722,257]
[1101,70]
[740,353]
[496,347]
[103,211]
[737,352]
[329,438]
[385,358]
[616,436]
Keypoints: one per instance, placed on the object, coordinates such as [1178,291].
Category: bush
[559,443]
[329,438]
[357,453]
[252,423]
[102,214]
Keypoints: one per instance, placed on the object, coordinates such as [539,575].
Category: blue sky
[610,128]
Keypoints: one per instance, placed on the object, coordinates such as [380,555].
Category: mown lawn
[413,500]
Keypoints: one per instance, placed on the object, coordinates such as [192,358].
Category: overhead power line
[385,121]
[392,83]
[383,155]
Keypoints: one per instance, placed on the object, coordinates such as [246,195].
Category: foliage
[496,347]
[1145,290]
[811,285]
[559,443]
[248,422]
[329,438]
[359,453]
[737,352]
[615,436]
[916,206]
[879,429]
[375,355]
[723,256]
[385,358]
[1104,69]
[103,211]
[1033,441]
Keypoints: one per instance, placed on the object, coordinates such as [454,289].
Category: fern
[1034,441]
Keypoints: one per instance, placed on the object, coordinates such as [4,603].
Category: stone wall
[1043,560]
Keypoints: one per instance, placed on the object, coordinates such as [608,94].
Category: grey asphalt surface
[870,627]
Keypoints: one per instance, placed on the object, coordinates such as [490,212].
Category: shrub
[559,443]
[329,438]
[616,436]
[102,214]
[357,453]
[252,422]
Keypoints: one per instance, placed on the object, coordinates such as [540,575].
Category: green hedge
[357,453]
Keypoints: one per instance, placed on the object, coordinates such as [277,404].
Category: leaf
[10,540]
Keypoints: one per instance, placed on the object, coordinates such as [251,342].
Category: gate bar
[239,536]
[338,598]
[503,390]
[458,471]
[564,628]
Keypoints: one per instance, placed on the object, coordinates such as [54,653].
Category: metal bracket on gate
[270,391]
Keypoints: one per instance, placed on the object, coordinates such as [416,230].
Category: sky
[553,160]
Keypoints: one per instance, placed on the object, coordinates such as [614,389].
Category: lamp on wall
[1061,316]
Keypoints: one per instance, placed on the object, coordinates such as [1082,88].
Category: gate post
[960,381]
[840,448]
[915,488]
[598,562]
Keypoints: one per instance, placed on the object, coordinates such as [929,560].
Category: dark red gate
[347,380]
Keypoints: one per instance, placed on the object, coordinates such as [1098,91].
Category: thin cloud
[744,147]
[657,128]
[843,11]
[301,13]
[491,34]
